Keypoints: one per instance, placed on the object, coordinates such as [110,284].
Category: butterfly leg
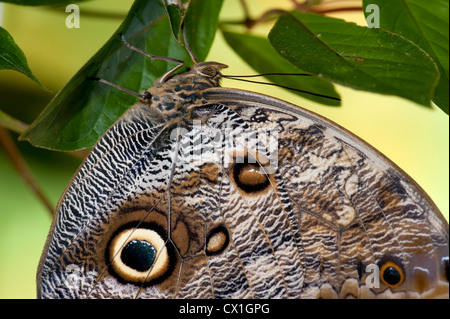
[144,96]
[164,77]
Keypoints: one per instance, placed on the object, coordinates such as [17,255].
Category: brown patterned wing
[356,211]
[243,196]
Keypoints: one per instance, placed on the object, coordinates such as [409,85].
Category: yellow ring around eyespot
[396,267]
[159,267]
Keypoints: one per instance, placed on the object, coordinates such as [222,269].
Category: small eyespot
[138,255]
[249,175]
[216,241]
[391,274]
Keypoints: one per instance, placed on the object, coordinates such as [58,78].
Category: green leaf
[374,60]
[425,23]
[12,58]
[42,2]
[262,57]
[201,24]
[176,10]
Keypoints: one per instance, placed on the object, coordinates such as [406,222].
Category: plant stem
[17,160]
[11,123]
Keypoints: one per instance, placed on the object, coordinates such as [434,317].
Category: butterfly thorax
[175,97]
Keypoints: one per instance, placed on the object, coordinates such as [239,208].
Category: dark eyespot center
[391,274]
[139,255]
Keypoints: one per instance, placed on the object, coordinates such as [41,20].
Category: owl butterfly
[200,191]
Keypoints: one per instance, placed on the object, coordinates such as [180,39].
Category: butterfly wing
[69,262]
[354,207]
[248,196]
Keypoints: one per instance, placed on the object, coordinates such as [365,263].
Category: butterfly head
[203,72]
[209,69]
[173,96]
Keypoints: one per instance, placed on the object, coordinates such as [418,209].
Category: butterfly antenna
[281,86]
[265,74]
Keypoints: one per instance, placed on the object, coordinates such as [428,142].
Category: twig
[324,7]
[346,9]
[307,6]
[17,160]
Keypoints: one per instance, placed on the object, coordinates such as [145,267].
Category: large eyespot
[391,274]
[217,240]
[138,255]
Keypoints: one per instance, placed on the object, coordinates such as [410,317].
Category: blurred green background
[414,137]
